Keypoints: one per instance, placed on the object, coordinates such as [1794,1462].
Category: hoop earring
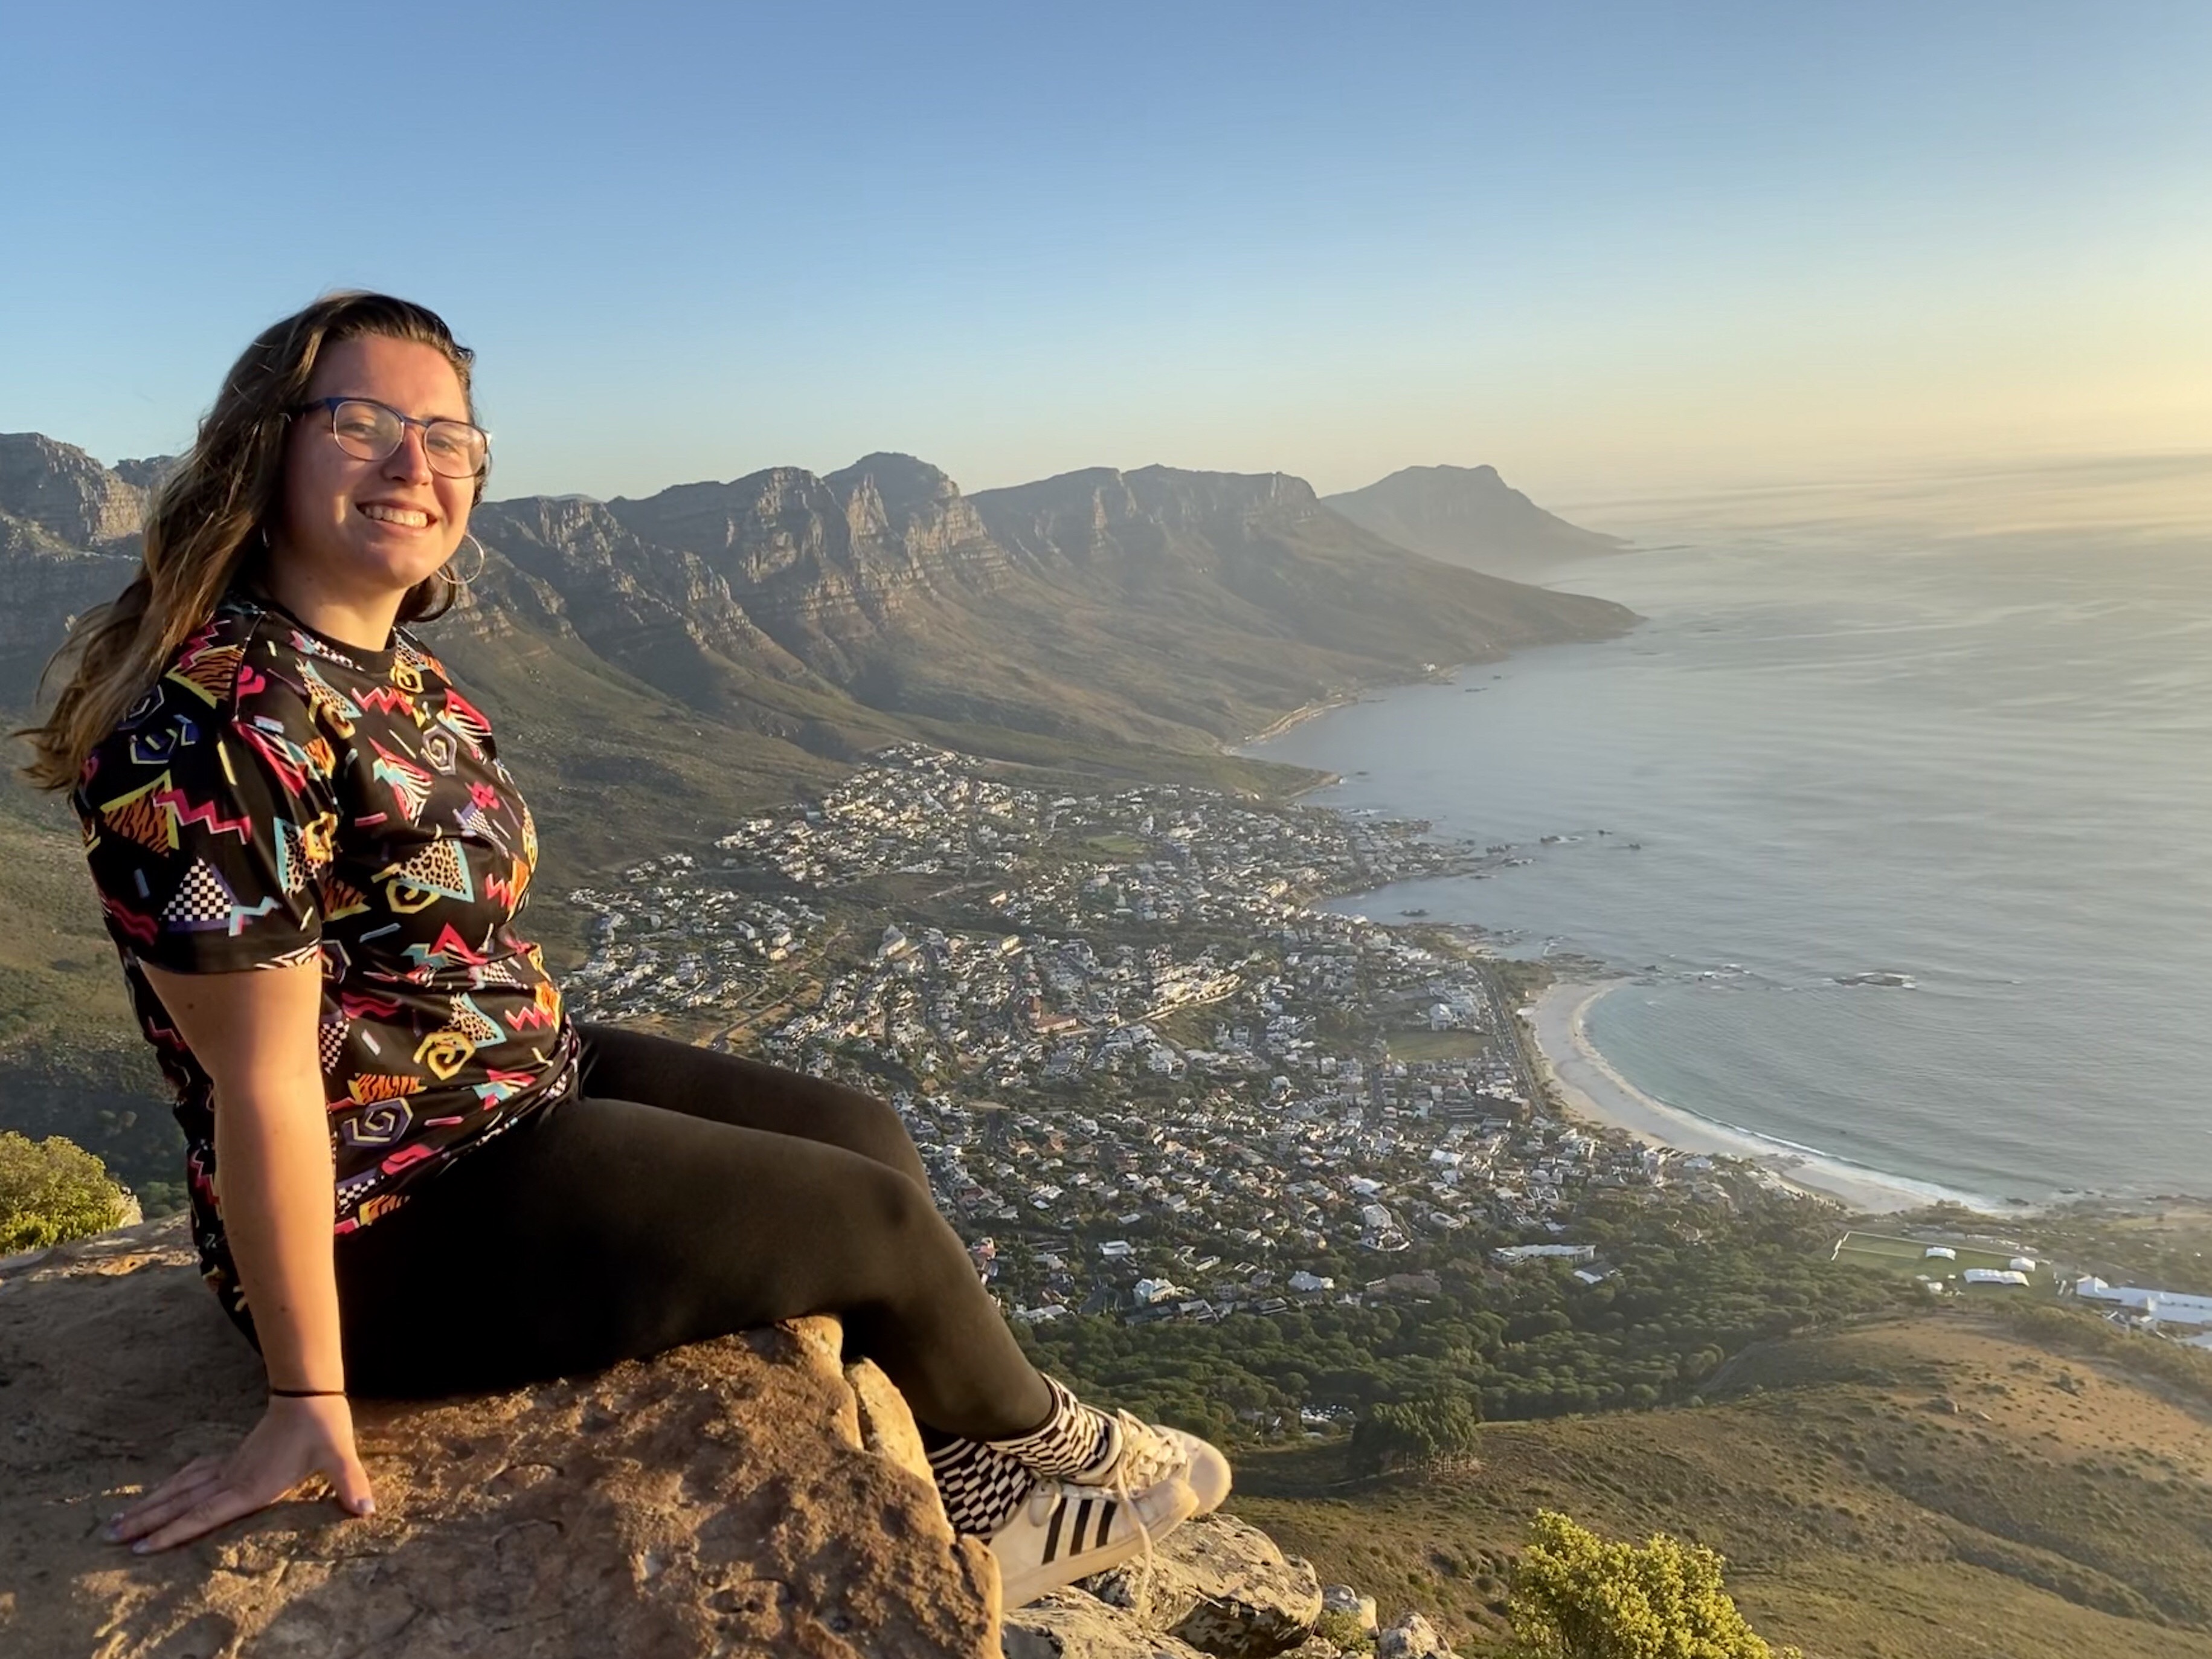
[454,576]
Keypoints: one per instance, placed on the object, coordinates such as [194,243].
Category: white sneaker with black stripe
[1062,1532]
[1151,1481]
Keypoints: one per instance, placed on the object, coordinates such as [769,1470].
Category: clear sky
[1604,246]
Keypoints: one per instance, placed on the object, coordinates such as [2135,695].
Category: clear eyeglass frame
[370,431]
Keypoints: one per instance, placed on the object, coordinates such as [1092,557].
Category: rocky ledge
[747,1496]
[753,1495]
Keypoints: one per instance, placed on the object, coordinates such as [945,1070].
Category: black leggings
[681,1195]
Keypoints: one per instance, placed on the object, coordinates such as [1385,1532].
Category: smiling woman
[376,499]
[409,1171]
[229,504]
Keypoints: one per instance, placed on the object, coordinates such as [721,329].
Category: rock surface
[64,492]
[1217,1586]
[1070,1625]
[1412,1637]
[1221,1585]
[720,1499]
[1343,1598]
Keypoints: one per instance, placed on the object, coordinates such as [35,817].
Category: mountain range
[821,616]
[660,667]
[1470,516]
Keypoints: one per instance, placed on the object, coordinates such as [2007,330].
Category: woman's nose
[411,461]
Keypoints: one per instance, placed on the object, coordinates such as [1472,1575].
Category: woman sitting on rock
[411,1173]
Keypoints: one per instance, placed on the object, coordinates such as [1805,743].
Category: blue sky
[1605,247]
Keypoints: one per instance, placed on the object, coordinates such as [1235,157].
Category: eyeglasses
[370,431]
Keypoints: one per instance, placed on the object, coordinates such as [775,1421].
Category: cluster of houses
[913,809]
[667,941]
[1107,1211]
[1137,1051]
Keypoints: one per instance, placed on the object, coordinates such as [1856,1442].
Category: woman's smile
[404,518]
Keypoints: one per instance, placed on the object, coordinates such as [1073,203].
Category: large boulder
[746,1496]
[1412,1637]
[1220,1585]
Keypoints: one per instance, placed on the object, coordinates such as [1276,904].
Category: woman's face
[362,529]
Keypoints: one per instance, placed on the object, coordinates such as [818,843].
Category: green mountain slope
[1932,1486]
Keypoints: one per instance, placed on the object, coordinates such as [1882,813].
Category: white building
[1513,1255]
[2167,1307]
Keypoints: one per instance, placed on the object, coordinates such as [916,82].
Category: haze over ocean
[1854,746]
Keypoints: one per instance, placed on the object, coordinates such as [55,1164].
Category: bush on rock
[53,1191]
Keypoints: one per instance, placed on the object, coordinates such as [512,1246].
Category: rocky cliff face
[1158,607]
[66,492]
[650,608]
[828,567]
[1098,513]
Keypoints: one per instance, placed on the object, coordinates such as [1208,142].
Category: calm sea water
[1984,761]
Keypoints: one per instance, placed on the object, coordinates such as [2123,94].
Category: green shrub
[1580,1597]
[1345,1630]
[53,1191]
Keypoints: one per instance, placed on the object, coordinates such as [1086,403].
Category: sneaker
[1064,1530]
[1143,1453]
[1151,1481]
[1206,1471]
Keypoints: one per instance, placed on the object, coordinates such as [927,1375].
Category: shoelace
[1121,1490]
[1144,1458]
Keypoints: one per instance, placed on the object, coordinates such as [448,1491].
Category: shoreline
[1590,1087]
[1297,717]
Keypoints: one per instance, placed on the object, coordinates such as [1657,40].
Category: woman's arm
[254,1033]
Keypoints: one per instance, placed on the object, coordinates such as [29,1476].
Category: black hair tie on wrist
[305,1394]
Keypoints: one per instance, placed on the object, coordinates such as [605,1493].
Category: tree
[1579,1596]
[53,1191]
[1411,1433]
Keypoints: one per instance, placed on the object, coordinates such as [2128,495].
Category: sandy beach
[1590,1087]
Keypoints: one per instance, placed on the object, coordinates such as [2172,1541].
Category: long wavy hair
[209,523]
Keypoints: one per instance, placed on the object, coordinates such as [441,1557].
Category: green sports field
[1909,1255]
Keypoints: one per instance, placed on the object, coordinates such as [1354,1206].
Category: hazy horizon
[1610,253]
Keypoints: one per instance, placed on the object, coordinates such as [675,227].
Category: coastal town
[1149,1077]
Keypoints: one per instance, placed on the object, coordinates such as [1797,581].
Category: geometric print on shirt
[279,797]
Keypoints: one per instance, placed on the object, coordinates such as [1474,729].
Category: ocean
[1904,738]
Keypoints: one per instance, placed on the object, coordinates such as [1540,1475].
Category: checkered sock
[981,1486]
[982,1482]
[1076,1438]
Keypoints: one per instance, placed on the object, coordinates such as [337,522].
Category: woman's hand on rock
[294,1440]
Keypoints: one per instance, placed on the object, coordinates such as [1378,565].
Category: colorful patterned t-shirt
[279,797]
